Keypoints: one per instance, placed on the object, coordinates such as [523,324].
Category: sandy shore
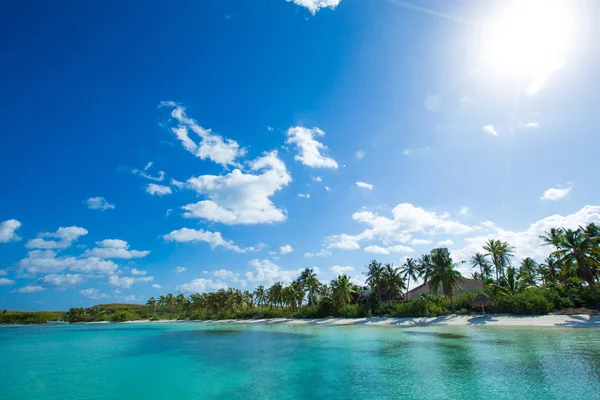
[582,320]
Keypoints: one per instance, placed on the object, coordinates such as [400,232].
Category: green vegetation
[568,279]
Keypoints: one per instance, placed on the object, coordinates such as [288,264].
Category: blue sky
[238,142]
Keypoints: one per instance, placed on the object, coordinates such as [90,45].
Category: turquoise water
[206,361]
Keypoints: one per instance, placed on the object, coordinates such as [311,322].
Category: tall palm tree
[392,281]
[444,274]
[410,270]
[528,270]
[425,267]
[180,302]
[512,283]
[342,290]
[500,253]
[480,261]
[170,302]
[261,295]
[578,248]
[275,294]
[375,277]
[550,270]
[152,303]
[310,284]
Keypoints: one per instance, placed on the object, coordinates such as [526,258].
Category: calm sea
[205,361]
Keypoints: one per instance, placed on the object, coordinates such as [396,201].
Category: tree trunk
[452,304]
[407,287]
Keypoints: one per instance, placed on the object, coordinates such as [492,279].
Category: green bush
[122,316]
[531,302]
[351,311]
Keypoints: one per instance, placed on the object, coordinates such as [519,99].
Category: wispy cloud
[490,130]
[315,5]
[8,229]
[99,203]
[158,190]
[556,193]
[542,76]
[364,185]
[309,149]
[359,155]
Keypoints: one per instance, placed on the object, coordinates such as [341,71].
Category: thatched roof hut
[481,300]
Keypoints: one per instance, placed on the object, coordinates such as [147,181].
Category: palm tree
[170,302]
[444,274]
[261,295]
[500,252]
[392,281]
[375,277]
[275,295]
[528,270]
[152,304]
[512,283]
[410,270]
[480,261]
[342,290]
[425,267]
[310,283]
[180,302]
[578,248]
[549,270]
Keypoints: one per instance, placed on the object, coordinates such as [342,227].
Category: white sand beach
[579,320]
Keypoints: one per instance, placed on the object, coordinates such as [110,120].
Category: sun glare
[524,37]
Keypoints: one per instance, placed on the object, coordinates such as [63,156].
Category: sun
[526,36]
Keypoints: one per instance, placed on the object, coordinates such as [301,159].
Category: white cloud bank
[93,294]
[364,185]
[201,285]
[65,235]
[115,248]
[309,148]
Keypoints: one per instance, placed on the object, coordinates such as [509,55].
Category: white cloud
[115,248]
[125,282]
[180,269]
[408,151]
[328,188]
[556,193]
[531,125]
[359,155]
[63,281]
[338,269]
[156,286]
[7,231]
[201,285]
[364,185]
[211,146]
[305,196]
[229,275]
[214,239]
[93,294]
[542,76]
[269,273]
[65,235]
[445,243]
[99,203]
[490,130]
[159,190]
[3,272]
[6,282]
[147,167]
[407,219]
[347,242]
[135,271]
[317,179]
[421,242]
[315,5]
[320,253]
[45,261]
[241,198]
[400,249]
[177,184]
[463,211]
[143,174]
[286,249]
[527,243]
[376,250]
[169,211]
[129,299]
[309,149]
[29,289]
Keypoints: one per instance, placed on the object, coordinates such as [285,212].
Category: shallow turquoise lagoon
[208,361]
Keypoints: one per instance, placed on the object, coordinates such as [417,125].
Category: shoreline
[577,320]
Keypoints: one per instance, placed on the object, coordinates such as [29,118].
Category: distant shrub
[531,302]
[463,300]
[122,316]
[351,311]
[427,306]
